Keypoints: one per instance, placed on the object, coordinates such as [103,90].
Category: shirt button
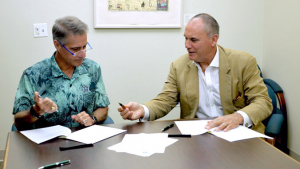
[246,125]
[70,85]
[212,105]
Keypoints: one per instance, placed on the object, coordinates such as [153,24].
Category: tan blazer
[241,88]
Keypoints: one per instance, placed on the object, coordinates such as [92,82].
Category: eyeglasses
[79,53]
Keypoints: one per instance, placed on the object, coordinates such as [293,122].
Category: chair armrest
[274,125]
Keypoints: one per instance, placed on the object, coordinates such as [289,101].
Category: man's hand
[133,111]
[83,118]
[43,105]
[226,122]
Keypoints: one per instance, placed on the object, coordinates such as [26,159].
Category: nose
[81,54]
[187,44]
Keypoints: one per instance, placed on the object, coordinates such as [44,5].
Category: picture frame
[112,14]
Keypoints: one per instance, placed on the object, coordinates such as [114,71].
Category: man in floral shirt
[67,88]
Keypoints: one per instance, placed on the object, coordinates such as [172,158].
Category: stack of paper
[196,127]
[143,144]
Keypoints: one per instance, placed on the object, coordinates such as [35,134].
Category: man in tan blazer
[209,81]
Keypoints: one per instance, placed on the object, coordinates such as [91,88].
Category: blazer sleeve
[258,103]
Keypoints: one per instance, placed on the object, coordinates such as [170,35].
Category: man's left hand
[226,122]
[83,118]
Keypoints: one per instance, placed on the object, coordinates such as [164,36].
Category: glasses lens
[88,48]
[80,53]
[83,52]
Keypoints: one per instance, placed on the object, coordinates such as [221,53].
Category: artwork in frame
[137,13]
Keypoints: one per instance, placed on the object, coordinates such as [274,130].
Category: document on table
[143,145]
[43,134]
[196,127]
[93,134]
[192,127]
[89,135]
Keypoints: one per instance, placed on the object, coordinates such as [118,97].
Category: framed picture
[137,13]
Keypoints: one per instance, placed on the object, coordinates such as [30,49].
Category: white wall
[135,62]
[281,59]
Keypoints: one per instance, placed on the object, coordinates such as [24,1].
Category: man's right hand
[43,105]
[133,111]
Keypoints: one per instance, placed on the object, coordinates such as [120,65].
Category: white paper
[93,134]
[89,135]
[193,127]
[43,134]
[239,133]
[119,146]
[143,145]
[196,127]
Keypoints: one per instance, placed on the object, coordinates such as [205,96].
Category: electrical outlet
[40,30]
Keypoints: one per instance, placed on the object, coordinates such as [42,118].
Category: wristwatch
[33,113]
[94,118]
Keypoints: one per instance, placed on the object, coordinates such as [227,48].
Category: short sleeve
[24,96]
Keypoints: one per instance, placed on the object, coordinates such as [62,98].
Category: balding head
[211,26]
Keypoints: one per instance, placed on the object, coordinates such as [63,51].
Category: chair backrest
[13,127]
[108,121]
[272,95]
[276,123]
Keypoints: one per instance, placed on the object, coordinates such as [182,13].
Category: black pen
[56,164]
[180,135]
[169,126]
[75,147]
[124,107]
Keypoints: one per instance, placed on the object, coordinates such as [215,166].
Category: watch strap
[94,118]
[33,113]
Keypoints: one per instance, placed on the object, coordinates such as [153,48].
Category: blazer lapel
[225,80]
[192,88]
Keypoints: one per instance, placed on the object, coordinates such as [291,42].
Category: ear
[214,40]
[56,44]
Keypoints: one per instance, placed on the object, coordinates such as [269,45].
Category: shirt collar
[55,68]
[214,62]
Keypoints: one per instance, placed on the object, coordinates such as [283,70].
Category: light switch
[40,30]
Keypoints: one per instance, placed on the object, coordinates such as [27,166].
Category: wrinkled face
[197,43]
[75,44]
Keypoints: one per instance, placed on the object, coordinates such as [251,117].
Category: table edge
[262,139]
[6,151]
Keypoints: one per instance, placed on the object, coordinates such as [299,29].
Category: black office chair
[276,123]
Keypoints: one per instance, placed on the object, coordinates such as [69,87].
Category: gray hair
[69,25]
[211,26]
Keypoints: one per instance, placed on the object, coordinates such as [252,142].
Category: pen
[56,164]
[169,126]
[75,147]
[180,135]
[42,98]
[124,107]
